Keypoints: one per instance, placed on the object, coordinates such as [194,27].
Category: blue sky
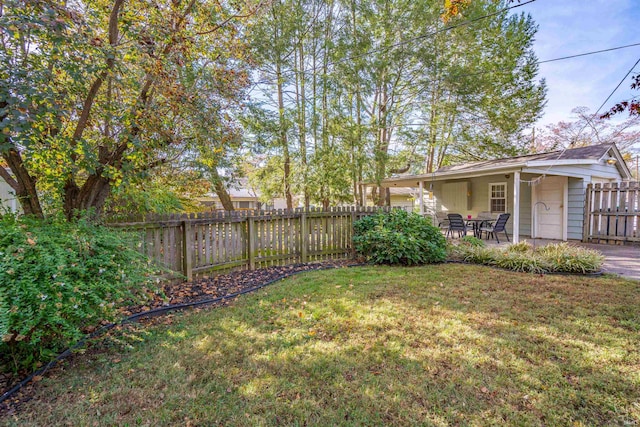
[569,27]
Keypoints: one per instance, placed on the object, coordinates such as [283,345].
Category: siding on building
[480,198]
[575,210]
[579,177]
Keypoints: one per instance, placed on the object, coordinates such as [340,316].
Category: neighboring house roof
[535,163]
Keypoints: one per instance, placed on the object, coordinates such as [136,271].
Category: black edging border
[152,313]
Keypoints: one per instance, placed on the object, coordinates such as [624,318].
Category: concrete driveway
[622,260]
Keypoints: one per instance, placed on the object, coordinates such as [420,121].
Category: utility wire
[588,53]
[537,180]
[617,86]
[562,58]
[538,62]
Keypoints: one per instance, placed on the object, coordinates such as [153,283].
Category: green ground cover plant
[445,344]
[551,258]
[56,280]
[399,237]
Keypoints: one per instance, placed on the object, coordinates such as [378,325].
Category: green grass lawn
[437,345]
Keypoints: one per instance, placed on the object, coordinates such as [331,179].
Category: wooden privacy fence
[612,213]
[217,241]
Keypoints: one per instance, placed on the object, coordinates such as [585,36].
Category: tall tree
[366,88]
[96,93]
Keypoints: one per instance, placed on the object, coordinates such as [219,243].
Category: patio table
[476,223]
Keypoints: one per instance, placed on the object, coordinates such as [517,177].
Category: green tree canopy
[95,94]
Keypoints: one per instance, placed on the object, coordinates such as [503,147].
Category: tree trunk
[286,158]
[91,196]
[301,104]
[22,183]
[221,191]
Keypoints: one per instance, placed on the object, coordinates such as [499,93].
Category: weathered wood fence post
[251,242]
[187,249]
[304,237]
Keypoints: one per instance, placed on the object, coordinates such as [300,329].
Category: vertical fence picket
[597,209]
[634,208]
[166,248]
[280,236]
[207,243]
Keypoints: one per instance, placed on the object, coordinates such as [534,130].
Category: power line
[617,86]
[541,177]
[561,58]
[442,30]
[588,53]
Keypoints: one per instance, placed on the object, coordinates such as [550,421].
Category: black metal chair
[456,223]
[498,227]
[443,221]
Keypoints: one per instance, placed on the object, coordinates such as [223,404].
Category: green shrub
[552,258]
[56,279]
[399,237]
[566,258]
[472,241]
[520,260]
[523,246]
[477,254]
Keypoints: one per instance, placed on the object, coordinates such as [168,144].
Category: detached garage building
[545,193]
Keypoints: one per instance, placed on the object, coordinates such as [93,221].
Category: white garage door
[548,211]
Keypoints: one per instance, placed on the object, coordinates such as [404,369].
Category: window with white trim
[498,197]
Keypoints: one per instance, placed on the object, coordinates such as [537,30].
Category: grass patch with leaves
[434,345]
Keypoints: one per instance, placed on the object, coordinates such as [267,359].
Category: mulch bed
[205,288]
[227,284]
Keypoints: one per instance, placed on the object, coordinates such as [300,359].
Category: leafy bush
[56,279]
[520,260]
[552,258]
[399,237]
[472,241]
[563,257]
[477,254]
[523,246]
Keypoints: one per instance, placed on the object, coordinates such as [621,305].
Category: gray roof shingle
[591,152]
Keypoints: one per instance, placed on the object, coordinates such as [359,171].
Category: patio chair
[498,227]
[442,221]
[456,223]
[490,219]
